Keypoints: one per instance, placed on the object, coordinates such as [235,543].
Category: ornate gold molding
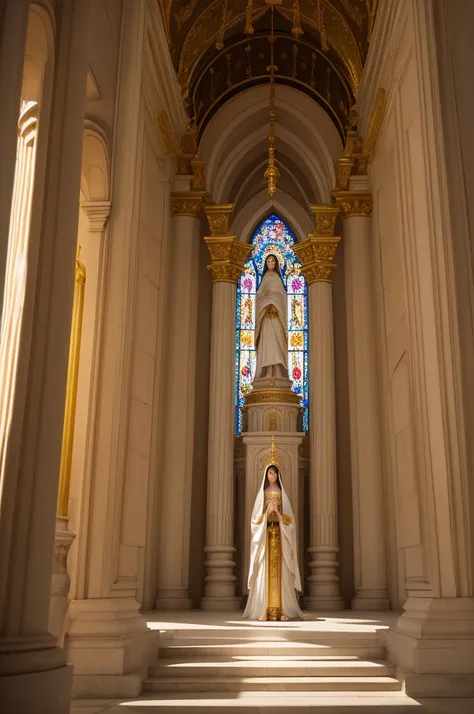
[316,256]
[219,217]
[325,217]
[228,257]
[344,172]
[264,396]
[199,174]
[376,121]
[354,203]
[170,141]
[186,204]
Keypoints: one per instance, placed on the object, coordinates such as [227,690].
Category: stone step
[272,684]
[278,667]
[362,649]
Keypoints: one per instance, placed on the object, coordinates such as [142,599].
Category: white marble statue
[274,575]
[271,335]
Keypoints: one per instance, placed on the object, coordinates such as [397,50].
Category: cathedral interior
[236,236]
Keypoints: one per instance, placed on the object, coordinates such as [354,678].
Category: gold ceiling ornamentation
[248,18]
[220,36]
[322,29]
[297,30]
[272,174]
[205,30]
[376,121]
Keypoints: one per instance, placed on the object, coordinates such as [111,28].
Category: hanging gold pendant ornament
[272,174]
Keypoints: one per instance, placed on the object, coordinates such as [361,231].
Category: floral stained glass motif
[272,236]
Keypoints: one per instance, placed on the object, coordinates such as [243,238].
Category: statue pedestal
[272,409]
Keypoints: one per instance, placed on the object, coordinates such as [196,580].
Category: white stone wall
[424,458]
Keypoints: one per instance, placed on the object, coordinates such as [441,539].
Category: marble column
[228,257]
[35,676]
[316,255]
[367,496]
[14,20]
[175,493]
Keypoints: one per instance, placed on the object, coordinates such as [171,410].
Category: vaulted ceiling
[220,47]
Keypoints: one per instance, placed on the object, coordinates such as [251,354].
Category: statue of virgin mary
[271,336]
[274,576]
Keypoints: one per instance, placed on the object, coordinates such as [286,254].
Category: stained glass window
[272,236]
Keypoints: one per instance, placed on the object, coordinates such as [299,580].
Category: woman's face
[271,262]
[272,475]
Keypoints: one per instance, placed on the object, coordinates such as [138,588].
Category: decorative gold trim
[325,217]
[228,257]
[354,203]
[376,121]
[316,256]
[170,141]
[263,396]
[71,388]
[219,217]
[346,165]
[186,204]
[199,174]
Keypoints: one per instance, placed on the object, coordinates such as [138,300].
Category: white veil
[291,579]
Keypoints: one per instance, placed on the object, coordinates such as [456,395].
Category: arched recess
[255,210]
[307,145]
[94,211]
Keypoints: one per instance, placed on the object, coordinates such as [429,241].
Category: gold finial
[272,460]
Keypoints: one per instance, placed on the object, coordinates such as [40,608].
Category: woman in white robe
[274,576]
[271,332]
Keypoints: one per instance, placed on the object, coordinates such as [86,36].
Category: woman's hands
[272,508]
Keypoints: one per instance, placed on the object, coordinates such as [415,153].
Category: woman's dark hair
[267,482]
[277,266]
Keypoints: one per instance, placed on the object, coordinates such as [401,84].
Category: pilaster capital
[325,217]
[186,204]
[316,256]
[219,217]
[98,213]
[354,203]
[228,257]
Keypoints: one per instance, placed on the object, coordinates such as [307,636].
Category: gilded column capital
[228,257]
[354,203]
[219,217]
[316,256]
[186,204]
[325,217]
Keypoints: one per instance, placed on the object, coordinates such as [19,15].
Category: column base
[370,600]
[110,647]
[217,604]
[319,604]
[173,599]
[323,583]
[432,643]
[35,676]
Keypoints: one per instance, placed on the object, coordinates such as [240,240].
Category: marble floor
[214,642]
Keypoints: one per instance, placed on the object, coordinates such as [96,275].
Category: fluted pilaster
[367,497]
[317,255]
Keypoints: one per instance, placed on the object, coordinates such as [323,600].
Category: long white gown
[290,573]
[271,334]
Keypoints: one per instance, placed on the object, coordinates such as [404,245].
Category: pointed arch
[272,235]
